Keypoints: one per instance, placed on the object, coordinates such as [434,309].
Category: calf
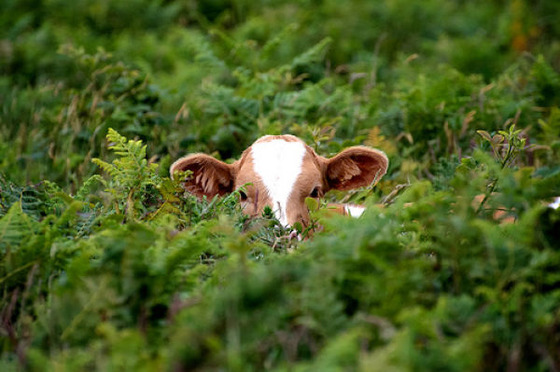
[281,172]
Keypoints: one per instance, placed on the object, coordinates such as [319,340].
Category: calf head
[281,172]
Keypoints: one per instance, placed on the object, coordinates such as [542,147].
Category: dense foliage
[107,265]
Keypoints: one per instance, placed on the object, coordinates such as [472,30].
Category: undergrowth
[144,276]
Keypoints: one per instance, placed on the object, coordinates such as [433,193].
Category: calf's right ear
[209,176]
[355,167]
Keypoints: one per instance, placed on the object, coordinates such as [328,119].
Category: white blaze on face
[278,163]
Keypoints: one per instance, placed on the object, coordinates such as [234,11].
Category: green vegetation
[107,265]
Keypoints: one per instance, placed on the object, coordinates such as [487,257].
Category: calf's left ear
[210,177]
[355,167]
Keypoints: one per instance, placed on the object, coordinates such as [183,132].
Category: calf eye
[242,195]
[315,193]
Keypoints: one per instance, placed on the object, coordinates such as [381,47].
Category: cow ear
[355,167]
[209,176]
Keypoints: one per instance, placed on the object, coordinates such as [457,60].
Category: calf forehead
[280,162]
[279,159]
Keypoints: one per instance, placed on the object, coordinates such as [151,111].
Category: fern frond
[277,41]
[314,54]
[14,227]
[130,173]
[82,193]
[109,168]
[124,148]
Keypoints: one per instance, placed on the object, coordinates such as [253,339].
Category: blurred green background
[214,75]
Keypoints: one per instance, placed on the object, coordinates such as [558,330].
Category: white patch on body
[556,203]
[278,163]
[354,210]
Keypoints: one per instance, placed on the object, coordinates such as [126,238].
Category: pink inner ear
[210,176]
[356,167]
